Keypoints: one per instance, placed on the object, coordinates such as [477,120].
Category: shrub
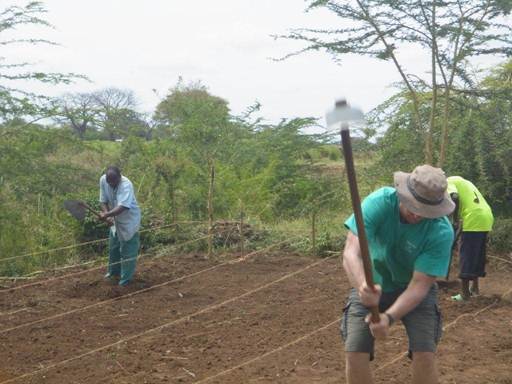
[500,238]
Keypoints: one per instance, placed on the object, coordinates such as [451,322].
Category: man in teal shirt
[409,240]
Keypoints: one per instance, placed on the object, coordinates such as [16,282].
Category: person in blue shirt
[409,239]
[119,208]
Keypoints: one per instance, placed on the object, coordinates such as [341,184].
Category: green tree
[201,123]
[480,141]
[79,111]
[272,167]
[450,31]
[116,115]
[14,101]
[196,119]
[27,161]
[482,146]
[110,112]
[142,125]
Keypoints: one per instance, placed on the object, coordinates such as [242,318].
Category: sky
[147,45]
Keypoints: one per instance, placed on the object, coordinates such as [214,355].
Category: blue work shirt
[128,222]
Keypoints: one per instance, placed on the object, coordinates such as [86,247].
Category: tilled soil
[270,318]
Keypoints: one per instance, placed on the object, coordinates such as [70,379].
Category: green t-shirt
[475,213]
[398,249]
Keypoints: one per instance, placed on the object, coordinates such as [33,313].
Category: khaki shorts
[423,324]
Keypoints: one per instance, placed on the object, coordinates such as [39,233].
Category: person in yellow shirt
[474,218]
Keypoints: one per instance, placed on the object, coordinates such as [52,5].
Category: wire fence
[88,270]
[239,225]
[77,245]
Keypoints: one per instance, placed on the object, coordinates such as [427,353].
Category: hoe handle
[356,205]
[87,206]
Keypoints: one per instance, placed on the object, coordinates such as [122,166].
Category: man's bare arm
[352,262]
[353,265]
[416,291]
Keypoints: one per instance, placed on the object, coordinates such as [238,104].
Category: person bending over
[120,209]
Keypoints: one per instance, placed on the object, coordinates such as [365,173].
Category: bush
[500,238]
[327,243]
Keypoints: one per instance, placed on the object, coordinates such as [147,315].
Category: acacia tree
[482,148]
[27,146]
[80,111]
[115,111]
[16,102]
[110,110]
[452,31]
[26,164]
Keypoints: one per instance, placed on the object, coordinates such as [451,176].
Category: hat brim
[409,201]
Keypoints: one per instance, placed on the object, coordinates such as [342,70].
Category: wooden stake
[313,231]
[242,239]
[210,207]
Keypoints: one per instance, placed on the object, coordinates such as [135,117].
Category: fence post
[242,238]
[313,231]
[210,208]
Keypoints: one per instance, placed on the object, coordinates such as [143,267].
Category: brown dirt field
[271,318]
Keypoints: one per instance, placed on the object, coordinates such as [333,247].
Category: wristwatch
[391,319]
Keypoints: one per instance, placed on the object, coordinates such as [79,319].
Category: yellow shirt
[475,213]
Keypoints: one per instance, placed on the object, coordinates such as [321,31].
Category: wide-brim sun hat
[424,191]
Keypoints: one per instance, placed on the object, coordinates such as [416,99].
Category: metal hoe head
[342,113]
[76,208]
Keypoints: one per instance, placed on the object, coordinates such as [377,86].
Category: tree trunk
[429,158]
[444,134]
[410,87]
